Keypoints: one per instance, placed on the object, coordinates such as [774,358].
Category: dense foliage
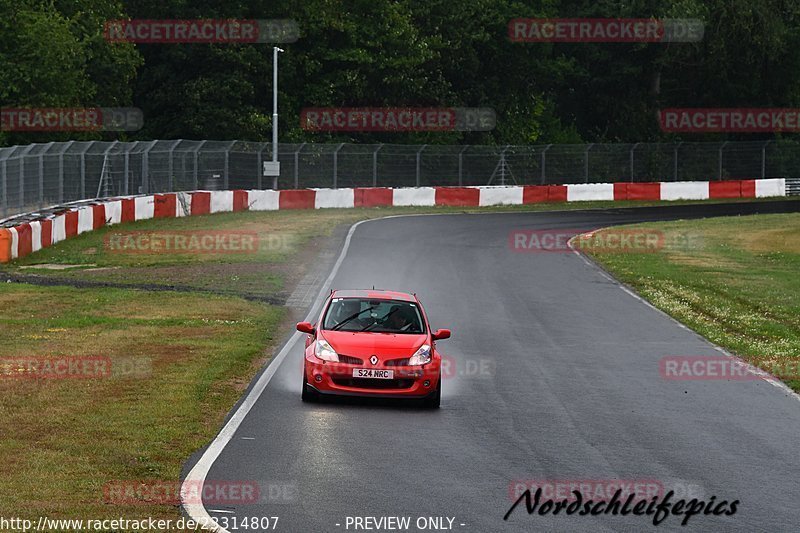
[400,53]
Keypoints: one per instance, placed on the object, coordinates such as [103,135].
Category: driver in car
[400,319]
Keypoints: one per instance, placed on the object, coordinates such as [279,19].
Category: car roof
[375,294]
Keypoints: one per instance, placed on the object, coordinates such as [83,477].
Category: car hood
[383,345]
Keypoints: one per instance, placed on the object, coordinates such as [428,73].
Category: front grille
[349,360]
[397,362]
[367,383]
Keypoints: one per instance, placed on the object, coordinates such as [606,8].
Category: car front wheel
[308,394]
[435,399]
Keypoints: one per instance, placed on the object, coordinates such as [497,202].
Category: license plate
[373,373]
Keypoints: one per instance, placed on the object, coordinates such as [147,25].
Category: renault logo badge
[374,359]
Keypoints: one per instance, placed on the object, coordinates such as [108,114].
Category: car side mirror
[441,334]
[306,327]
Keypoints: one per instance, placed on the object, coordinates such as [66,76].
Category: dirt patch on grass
[785,240]
[705,261]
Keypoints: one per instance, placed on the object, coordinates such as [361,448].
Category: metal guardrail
[39,175]
[792,186]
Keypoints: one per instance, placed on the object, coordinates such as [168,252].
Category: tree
[52,54]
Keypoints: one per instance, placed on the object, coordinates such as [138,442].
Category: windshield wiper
[351,317]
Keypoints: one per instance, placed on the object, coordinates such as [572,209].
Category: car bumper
[337,379]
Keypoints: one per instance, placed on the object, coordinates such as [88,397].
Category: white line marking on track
[197,475]
[769,378]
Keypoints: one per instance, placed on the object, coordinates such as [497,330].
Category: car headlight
[325,351]
[421,356]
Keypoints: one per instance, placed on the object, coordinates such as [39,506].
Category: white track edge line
[197,475]
[766,376]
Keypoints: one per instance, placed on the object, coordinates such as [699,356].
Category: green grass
[63,440]
[734,280]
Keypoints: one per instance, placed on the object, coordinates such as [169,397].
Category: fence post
[145,187]
[502,164]
[226,172]
[4,186]
[145,164]
[225,169]
[41,174]
[297,166]
[171,168]
[83,175]
[126,165]
[543,165]
[100,191]
[586,163]
[461,166]
[83,170]
[336,166]
[259,168]
[276,179]
[196,162]
[21,179]
[145,161]
[764,159]
[375,165]
[633,149]
[195,165]
[419,155]
[61,171]
[675,162]
[719,172]
[22,158]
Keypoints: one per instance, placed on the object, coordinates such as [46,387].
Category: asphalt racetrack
[555,377]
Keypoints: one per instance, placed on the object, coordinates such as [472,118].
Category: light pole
[273,168]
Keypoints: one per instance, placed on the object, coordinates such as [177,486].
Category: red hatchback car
[372,343]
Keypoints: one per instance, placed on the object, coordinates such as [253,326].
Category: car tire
[308,394]
[435,399]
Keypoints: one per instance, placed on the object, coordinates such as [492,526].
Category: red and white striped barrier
[24,239]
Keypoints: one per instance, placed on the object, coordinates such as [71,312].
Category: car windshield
[377,316]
